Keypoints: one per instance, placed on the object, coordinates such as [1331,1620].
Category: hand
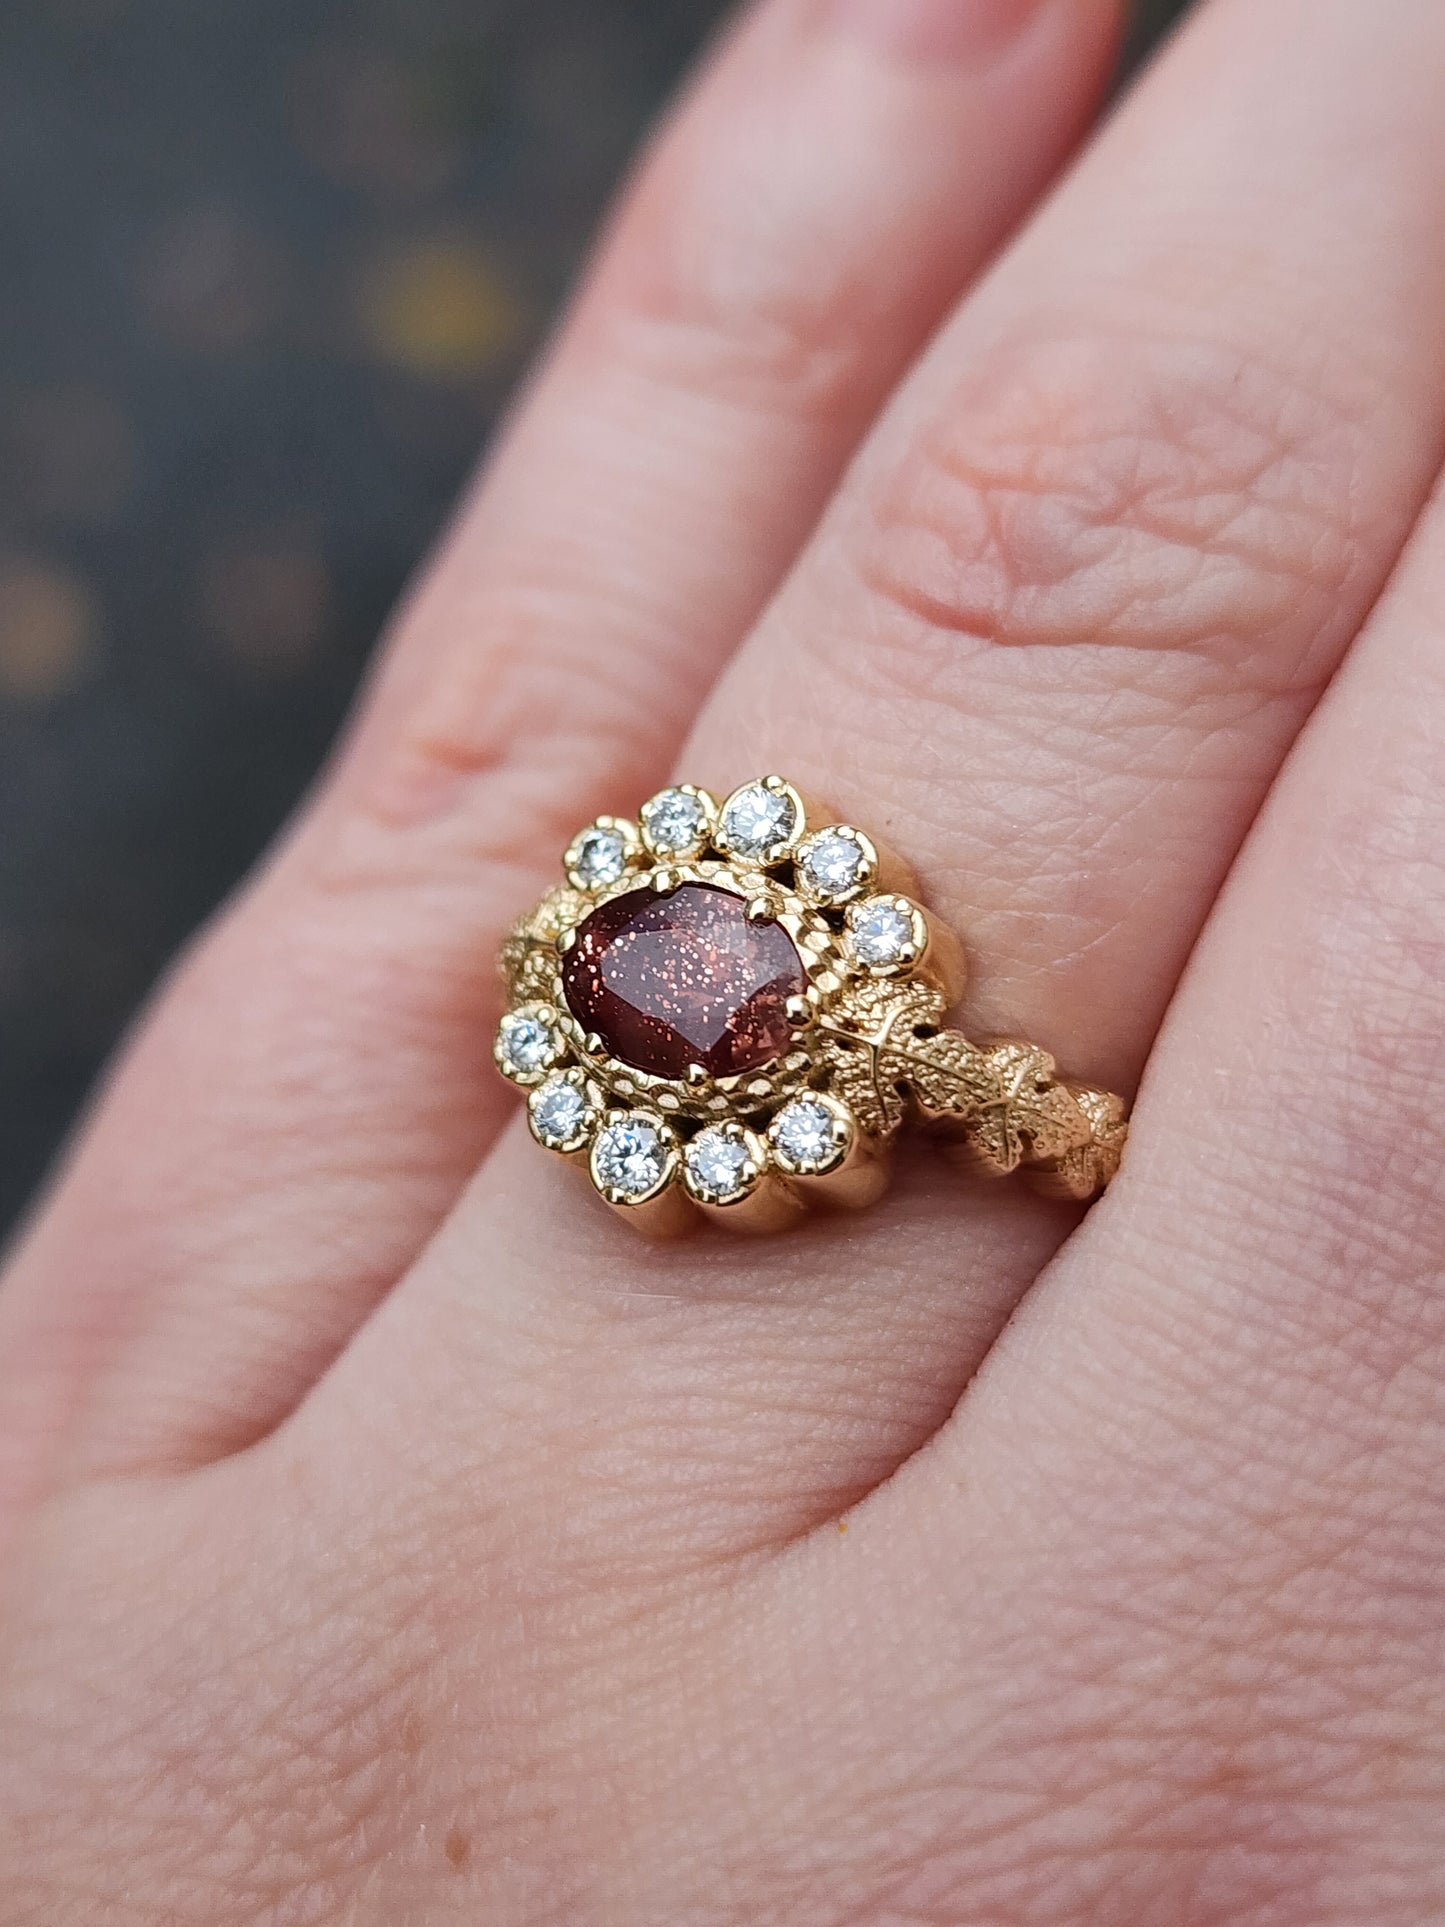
[393,1538]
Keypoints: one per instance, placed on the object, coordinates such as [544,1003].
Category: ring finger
[1065,618]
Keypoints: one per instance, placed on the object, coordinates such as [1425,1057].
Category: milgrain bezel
[822,896]
[704,1097]
[782,849]
[707,805]
[634,852]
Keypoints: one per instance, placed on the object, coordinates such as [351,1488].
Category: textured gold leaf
[872,1009]
[1028,1113]
[872,1048]
[1084,1171]
[558,911]
[529,954]
[853,1076]
[951,1076]
[533,980]
[512,958]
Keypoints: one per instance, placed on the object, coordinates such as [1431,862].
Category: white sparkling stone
[527,1043]
[757,819]
[719,1162]
[809,1134]
[560,1111]
[630,1156]
[881,933]
[600,857]
[833,863]
[674,821]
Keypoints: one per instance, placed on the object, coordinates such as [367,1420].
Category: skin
[391,1537]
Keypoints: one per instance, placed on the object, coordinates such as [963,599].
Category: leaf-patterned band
[885,1044]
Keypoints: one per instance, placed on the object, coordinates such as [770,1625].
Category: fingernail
[933,29]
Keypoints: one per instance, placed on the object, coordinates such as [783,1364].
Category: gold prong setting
[724,1164]
[836,866]
[530,1042]
[678,823]
[565,1111]
[812,1135]
[634,1157]
[885,935]
[603,853]
[761,822]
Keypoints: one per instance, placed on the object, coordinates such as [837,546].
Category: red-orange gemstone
[669,981]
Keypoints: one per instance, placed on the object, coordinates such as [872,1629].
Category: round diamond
[832,864]
[810,1135]
[562,1114]
[882,934]
[759,822]
[631,1157]
[527,1045]
[599,856]
[720,1164]
[675,822]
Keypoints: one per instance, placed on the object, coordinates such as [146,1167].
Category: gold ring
[729,1010]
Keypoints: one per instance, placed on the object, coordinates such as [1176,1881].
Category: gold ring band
[728,1010]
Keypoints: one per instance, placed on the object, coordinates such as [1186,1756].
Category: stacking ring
[729,1010]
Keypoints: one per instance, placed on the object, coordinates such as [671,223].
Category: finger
[301,1108]
[1070,609]
[1222,1412]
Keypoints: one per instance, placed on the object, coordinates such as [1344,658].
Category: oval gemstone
[669,981]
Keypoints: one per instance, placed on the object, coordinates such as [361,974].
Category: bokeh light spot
[74,447]
[360,118]
[212,282]
[267,603]
[50,630]
[441,309]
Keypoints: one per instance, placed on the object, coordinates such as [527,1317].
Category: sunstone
[669,981]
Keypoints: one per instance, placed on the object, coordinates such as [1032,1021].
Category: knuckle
[1168,495]
[763,299]
[786,343]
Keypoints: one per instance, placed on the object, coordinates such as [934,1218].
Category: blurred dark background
[270,267]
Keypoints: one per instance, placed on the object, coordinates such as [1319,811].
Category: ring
[729,1010]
